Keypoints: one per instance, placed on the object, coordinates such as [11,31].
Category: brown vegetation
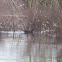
[30,15]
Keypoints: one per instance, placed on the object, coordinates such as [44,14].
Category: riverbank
[27,32]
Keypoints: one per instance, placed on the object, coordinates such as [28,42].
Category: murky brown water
[30,48]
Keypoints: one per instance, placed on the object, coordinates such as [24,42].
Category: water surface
[19,47]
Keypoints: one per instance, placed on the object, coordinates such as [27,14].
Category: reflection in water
[19,47]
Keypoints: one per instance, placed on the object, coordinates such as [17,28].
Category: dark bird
[27,32]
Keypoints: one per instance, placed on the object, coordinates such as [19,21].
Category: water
[19,47]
